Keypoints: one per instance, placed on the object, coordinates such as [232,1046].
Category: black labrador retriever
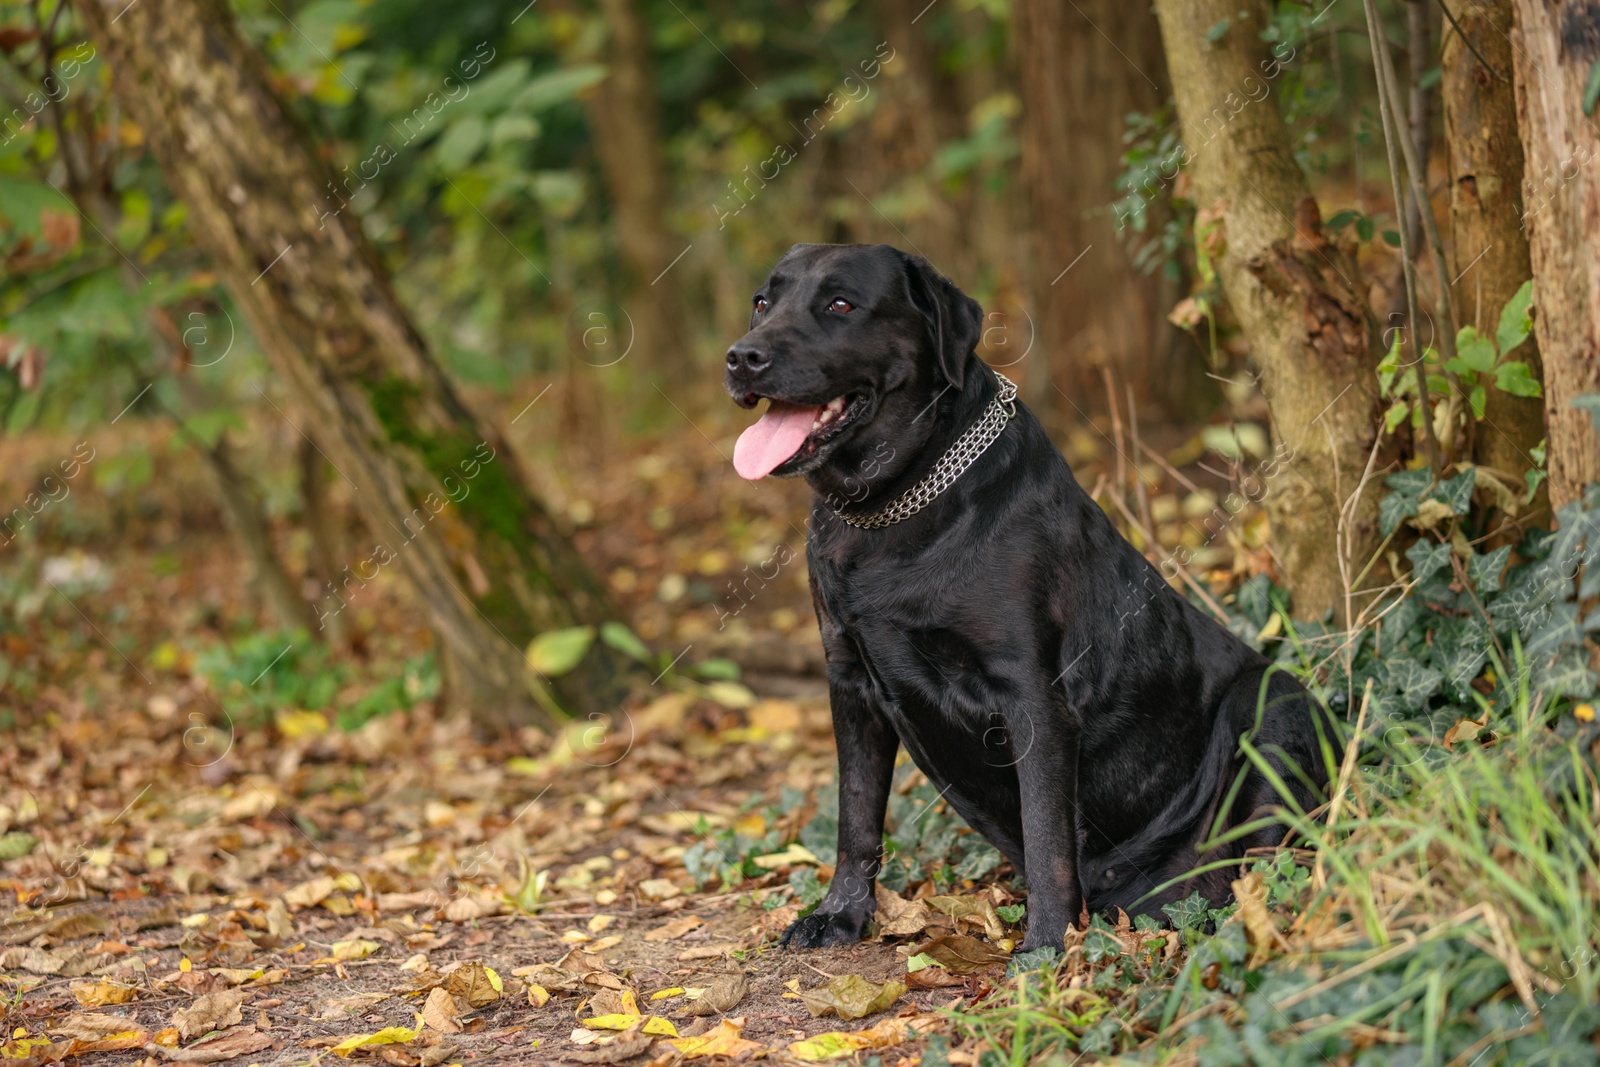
[979,608]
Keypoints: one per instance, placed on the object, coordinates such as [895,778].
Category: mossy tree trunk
[442,496]
[1297,298]
[1555,44]
[1491,248]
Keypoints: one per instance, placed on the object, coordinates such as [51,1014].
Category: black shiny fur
[1070,705]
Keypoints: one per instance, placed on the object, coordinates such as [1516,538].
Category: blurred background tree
[400,225]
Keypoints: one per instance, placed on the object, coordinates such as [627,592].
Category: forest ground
[227,828]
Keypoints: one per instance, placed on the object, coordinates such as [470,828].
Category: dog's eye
[761,303]
[841,305]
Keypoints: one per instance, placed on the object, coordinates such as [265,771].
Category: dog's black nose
[747,358]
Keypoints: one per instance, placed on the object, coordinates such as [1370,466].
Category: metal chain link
[968,447]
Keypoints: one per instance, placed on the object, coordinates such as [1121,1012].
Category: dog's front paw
[819,930]
[1044,935]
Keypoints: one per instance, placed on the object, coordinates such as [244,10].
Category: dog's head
[852,345]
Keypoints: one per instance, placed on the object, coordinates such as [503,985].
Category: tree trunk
[327,559]
[88,186]
[1297,298]
[1491,249]
[1555,43]
[1081,69]
[274,589]
[442,495]
[627,137]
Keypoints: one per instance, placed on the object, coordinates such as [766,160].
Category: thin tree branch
[1390,115]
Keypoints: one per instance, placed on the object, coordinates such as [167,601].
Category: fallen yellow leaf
[389,1035]
[653,1024]
[356,949]
[724,1040]
[837,1044]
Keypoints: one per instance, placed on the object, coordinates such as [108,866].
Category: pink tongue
[773,438]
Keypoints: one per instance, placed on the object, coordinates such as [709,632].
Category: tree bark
[274,589]
[440,492]
[1295,295]
[1491,248]
[1554,45]
[627,137]
[1081,69]
[327,559]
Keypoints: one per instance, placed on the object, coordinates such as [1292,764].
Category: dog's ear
[955,320]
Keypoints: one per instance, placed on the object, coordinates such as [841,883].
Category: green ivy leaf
[1188,913]
[1516,323]
[1341,220]
[1474,350]
[556,652]
[1100,945]
[1391,238]
[1414,683]
[717,669]
[1515,378]
[1396,414]
[1218,30]
[1403,502]
[1427,559]
[1365,228]
[1456,492]
[1484,571]
[623,640]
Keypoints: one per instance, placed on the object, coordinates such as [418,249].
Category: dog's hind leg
[1284,727]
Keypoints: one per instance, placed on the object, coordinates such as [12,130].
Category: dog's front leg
[1047,774]
[867,745]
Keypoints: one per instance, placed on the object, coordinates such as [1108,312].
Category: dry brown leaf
[213,1011]
[348,1007]
[850,996]
[474,983]
[234,1043]
[93,1025]
[99,994]
[310,894]
[960,954]
[721,994]
[440,1012]
[975,910]
[466,909]
[1262,933]
[933,978]
[618,1051]
[899,917]
[675,929]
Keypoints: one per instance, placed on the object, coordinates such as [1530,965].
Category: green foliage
[262,673]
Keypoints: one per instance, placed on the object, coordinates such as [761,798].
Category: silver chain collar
[963,454]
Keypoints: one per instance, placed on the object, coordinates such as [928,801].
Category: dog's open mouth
[790,431]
